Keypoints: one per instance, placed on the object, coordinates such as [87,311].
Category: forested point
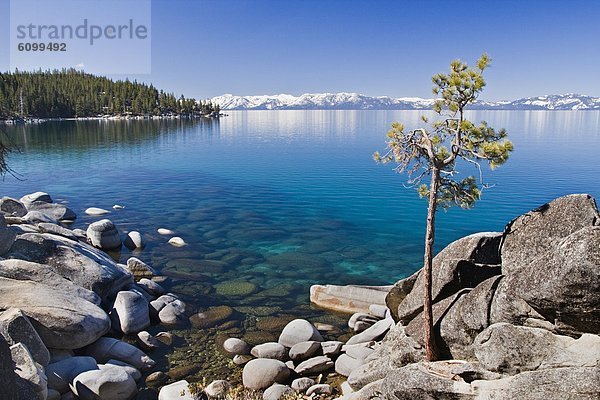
[69,93]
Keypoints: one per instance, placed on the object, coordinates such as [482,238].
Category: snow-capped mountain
[355,101]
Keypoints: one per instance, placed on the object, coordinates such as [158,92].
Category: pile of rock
[60,295]
[516,315]
[301,359]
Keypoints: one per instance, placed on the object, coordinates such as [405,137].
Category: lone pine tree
[437,151]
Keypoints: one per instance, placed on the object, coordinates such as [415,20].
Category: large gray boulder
[59,212]
[130,312]
[104,235]
[104,384]
[55,229]
[28,271]
[535,233]
[568,383]
[561,286]
[464,263]
[31,381]
[511,349]
[37,196]
[12,207]
[61,320]
[7,236]
[16,328]
[417,381]
[466,318]
[396,350]
[261,373]
[78,262]
[106,349]
[61,373]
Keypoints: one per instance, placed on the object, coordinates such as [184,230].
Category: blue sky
[204,49]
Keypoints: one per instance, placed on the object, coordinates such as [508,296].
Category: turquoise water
[281,200]
[288,182]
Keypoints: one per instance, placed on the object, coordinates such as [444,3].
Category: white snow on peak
[357,101]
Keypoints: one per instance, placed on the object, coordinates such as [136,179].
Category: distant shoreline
[19,121]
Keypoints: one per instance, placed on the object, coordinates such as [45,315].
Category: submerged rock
[96,211]
[348,299]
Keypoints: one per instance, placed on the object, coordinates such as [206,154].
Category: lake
[271,202]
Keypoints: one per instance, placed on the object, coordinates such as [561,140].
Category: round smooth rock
[177,242]
[37,196]
[302,384]
[217,389]
[240,359]
[236,346]
[277,391]
[156,379]
[104,384]
[173,313]
[151,287]
[130,312]
[96,211]
[299,330]
[12,207]
[118,207]
[147,341]
[261,373]
[104,235]
[304,350]
[139,269]
[331,348]
[314,365]
[134,240]
[270,350]
[179,390]
[163,231]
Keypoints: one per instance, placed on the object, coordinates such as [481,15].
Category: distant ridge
[355,101]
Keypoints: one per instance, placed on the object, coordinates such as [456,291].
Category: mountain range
[355,101]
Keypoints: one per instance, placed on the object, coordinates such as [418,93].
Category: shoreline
[20,121]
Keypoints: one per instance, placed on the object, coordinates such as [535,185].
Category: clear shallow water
[286,199]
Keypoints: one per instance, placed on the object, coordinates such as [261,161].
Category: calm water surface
[271,202]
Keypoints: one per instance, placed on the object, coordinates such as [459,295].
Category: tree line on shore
[70,93]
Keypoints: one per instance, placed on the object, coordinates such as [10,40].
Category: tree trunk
[431,350]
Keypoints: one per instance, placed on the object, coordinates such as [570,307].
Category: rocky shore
[517,316]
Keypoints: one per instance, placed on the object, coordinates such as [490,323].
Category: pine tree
[438,151]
